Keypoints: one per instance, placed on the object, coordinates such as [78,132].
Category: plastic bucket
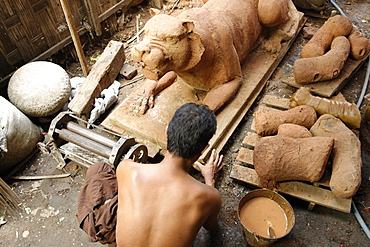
[267,202]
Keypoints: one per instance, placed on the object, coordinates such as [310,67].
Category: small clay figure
[205,46]
[345,111]
[346,155]
[325,67]
[268,122]
[319,44]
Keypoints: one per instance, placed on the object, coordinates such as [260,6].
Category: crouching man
[161,204]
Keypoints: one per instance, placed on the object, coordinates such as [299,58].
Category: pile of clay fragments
[302,142]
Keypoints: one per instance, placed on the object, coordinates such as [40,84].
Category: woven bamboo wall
[29,28]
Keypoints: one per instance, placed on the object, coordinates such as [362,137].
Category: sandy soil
[49,206]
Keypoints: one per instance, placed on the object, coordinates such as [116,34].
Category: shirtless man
[161,204]
[158,204]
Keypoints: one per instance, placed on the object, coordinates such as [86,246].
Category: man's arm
[212,220]
[209,171]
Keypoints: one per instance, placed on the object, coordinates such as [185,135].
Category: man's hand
[213,166]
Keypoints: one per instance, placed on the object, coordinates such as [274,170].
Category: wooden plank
[316,195]
[245,174]
[245,155]
[272,100]
[251,139]
[296,189]
[101,76]
[331,87]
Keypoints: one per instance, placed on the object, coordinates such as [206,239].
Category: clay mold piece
[319,44]
[325,67]
[282,158]
[345,111]
[346,155]
[294,130]
[268,122]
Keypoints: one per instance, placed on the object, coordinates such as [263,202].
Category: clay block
[267,123]
[128,71]
[294,130]
[346,155]
[281,158]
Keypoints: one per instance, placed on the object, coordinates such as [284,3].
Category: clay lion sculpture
[206,46]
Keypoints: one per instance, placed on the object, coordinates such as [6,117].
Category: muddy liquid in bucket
[264,217]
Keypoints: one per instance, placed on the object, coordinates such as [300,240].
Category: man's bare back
[162,205]
[156,204]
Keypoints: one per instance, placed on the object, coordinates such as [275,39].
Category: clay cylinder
[346,155]
[268,122]
[360,45]
[325,67]
[320,42]
[345,111]
[281,158]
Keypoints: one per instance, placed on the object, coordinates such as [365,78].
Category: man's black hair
[190,130]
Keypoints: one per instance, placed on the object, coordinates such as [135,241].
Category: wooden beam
[75,37]
[101,76]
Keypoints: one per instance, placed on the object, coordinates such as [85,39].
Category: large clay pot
[39,88]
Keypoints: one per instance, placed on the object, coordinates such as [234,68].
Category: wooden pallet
[314,193]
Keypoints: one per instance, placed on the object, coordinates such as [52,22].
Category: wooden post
[75,37]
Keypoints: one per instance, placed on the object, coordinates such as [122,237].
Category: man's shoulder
[125,166]
[206,191]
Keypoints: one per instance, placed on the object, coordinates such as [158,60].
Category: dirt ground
[49,205]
